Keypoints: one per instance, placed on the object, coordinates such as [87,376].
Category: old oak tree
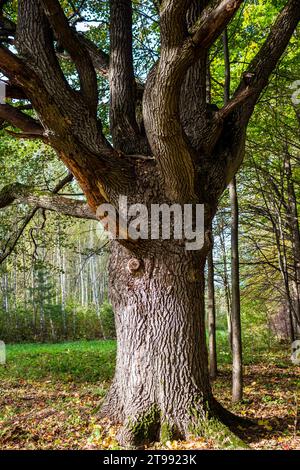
[178,149]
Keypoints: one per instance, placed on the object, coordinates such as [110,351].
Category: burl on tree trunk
[169,146]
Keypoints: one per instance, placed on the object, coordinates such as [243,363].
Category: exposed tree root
[216,423]
[228,418]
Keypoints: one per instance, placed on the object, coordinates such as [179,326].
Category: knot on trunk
[134,265]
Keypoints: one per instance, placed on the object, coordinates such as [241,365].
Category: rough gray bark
[157,299]
[161,383]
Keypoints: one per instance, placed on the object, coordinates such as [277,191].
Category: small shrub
[108,320]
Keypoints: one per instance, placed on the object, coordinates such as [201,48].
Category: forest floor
[50,396]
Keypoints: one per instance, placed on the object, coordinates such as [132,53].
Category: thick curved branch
[45,84]
[164,130]
[194,89]
[21,194]
[26,135]
[173,22]
[32,24]
[15,237]
[69,127]
[234,103]
[62,205]
[213,21]
[11,65]
[99,58]
[69,40]
[39,74]
[21,120]
[73,131]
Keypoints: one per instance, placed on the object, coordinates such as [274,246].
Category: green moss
[145,427]
[213,429]
[221,435]
[166,432]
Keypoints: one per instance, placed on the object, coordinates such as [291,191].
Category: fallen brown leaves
[46,415]
[52,415]
[271,399]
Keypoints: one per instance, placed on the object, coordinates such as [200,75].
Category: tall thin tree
[236,330]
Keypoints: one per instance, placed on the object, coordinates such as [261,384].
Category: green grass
[50,394]
[81,361]
[256,348]
[94,361]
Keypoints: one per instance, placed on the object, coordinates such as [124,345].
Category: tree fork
[161,373]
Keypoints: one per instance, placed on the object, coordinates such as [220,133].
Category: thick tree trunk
[161,385]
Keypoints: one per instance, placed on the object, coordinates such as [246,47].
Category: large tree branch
[62,205]
[123,124]
[101,61]
[11,65]
[73,131]
[213,21]
[15,237]
[69,40]
[45,83]
[68,125]
[259,71]
[21,120]
[178,54]
[194,88]
[99,58]
[173,22]
[21,194]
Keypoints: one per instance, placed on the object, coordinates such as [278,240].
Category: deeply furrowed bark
[161,387]
[161,376]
